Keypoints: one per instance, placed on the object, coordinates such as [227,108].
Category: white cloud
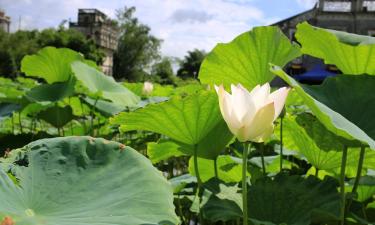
[183,25]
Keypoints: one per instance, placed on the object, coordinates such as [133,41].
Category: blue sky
[182,24]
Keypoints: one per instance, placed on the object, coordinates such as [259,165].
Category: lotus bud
[148,87]
[250,115]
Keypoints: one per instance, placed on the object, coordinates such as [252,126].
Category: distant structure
[97,26]
[354,16]
[4,22]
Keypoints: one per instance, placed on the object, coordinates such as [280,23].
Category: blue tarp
[316,74]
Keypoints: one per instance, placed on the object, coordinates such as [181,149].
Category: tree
[14,46]
[162,72]
[137,48]
[189,66]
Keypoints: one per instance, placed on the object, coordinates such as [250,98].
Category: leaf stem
[199,182]
[281,144]
[262,158]
[246,148]
[342,183]
[92,117]
[358,175]
[215,169]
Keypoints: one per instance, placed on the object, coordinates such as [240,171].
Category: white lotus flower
[148,87]
[250,115]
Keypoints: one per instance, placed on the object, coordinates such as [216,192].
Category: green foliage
[333,102]
[14,46]
[246,59]
[193,120]
[137,47]
[189,66]
[57,116]
[162,72]
[285,200]
[351,53]
[228,168]
[100,85]
[51,64]
[60,171]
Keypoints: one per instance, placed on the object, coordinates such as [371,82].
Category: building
[4,22]
[353,16]
[97,26]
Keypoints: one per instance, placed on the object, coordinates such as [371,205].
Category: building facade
[353,16]
[96,25]
[4,22]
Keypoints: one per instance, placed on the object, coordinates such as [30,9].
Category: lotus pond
[79,148]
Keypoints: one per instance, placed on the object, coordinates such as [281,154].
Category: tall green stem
[199,182]
[246,148]
[92,117]
[262,158]
[358,175]
[281,144]
[215,168]
[342,183]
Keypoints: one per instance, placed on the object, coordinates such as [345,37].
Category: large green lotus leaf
[228,168]
[192,120]
[82,180]
[163,150]
[245,60]
[100,84]
[57,116]
[285,200]
[224,201]
[50,63]
[344,104]
[51,92]
[106,108]
[351,53]
[365,189]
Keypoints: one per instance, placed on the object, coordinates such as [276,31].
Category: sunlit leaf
[228,169]
[50,63]
[193,120]
[104,86]
[163,150]
[351,53]
[245,60]
[344,104]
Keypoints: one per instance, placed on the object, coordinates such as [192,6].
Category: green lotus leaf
[51,92]
[104,86]
[224,201]
[106,108]
[320,147]
[245,60]
[351,53]
[344,104]
[163,150]
[284,200]
[192,120]
[180,182]
[50,63]
[57,116]
[82,180]
[228,169]
[365,189]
